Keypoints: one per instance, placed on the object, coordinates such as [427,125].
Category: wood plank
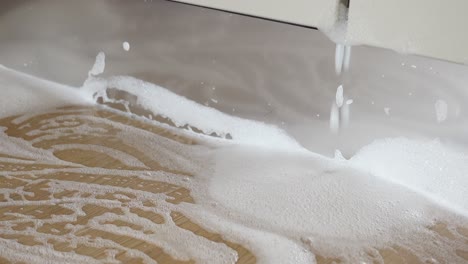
[70,207]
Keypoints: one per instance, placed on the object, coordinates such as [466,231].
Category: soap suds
[183,112]
[126,46]
[260,189]
[340,111]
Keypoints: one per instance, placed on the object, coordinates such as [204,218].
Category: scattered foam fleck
[428,167]
[126,46]
[265,191]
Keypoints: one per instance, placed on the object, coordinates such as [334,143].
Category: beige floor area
[37,214]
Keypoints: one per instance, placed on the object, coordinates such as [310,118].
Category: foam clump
[337,207]
[126,46]
[425,166]
[182,111]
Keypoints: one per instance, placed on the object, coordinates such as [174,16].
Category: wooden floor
[67,205]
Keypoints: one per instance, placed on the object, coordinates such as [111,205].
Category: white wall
[434,28]
[315,13]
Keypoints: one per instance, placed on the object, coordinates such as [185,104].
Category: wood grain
[39,197]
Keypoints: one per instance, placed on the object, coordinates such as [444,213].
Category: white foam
[342,58]
[126,46]
[426,166]
[339,96]
[338,155]
[23,93]
[182,111]
[99,65]
[265,191]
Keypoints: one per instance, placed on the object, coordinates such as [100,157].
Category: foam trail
[344,113]
[126,46]
[23,93]
[339,56]
[339,96]
[99,65]
[182,111]
[347,58]
[342,60]
[265,190]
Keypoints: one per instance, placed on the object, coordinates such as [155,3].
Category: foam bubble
[182,111]
[126,46]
